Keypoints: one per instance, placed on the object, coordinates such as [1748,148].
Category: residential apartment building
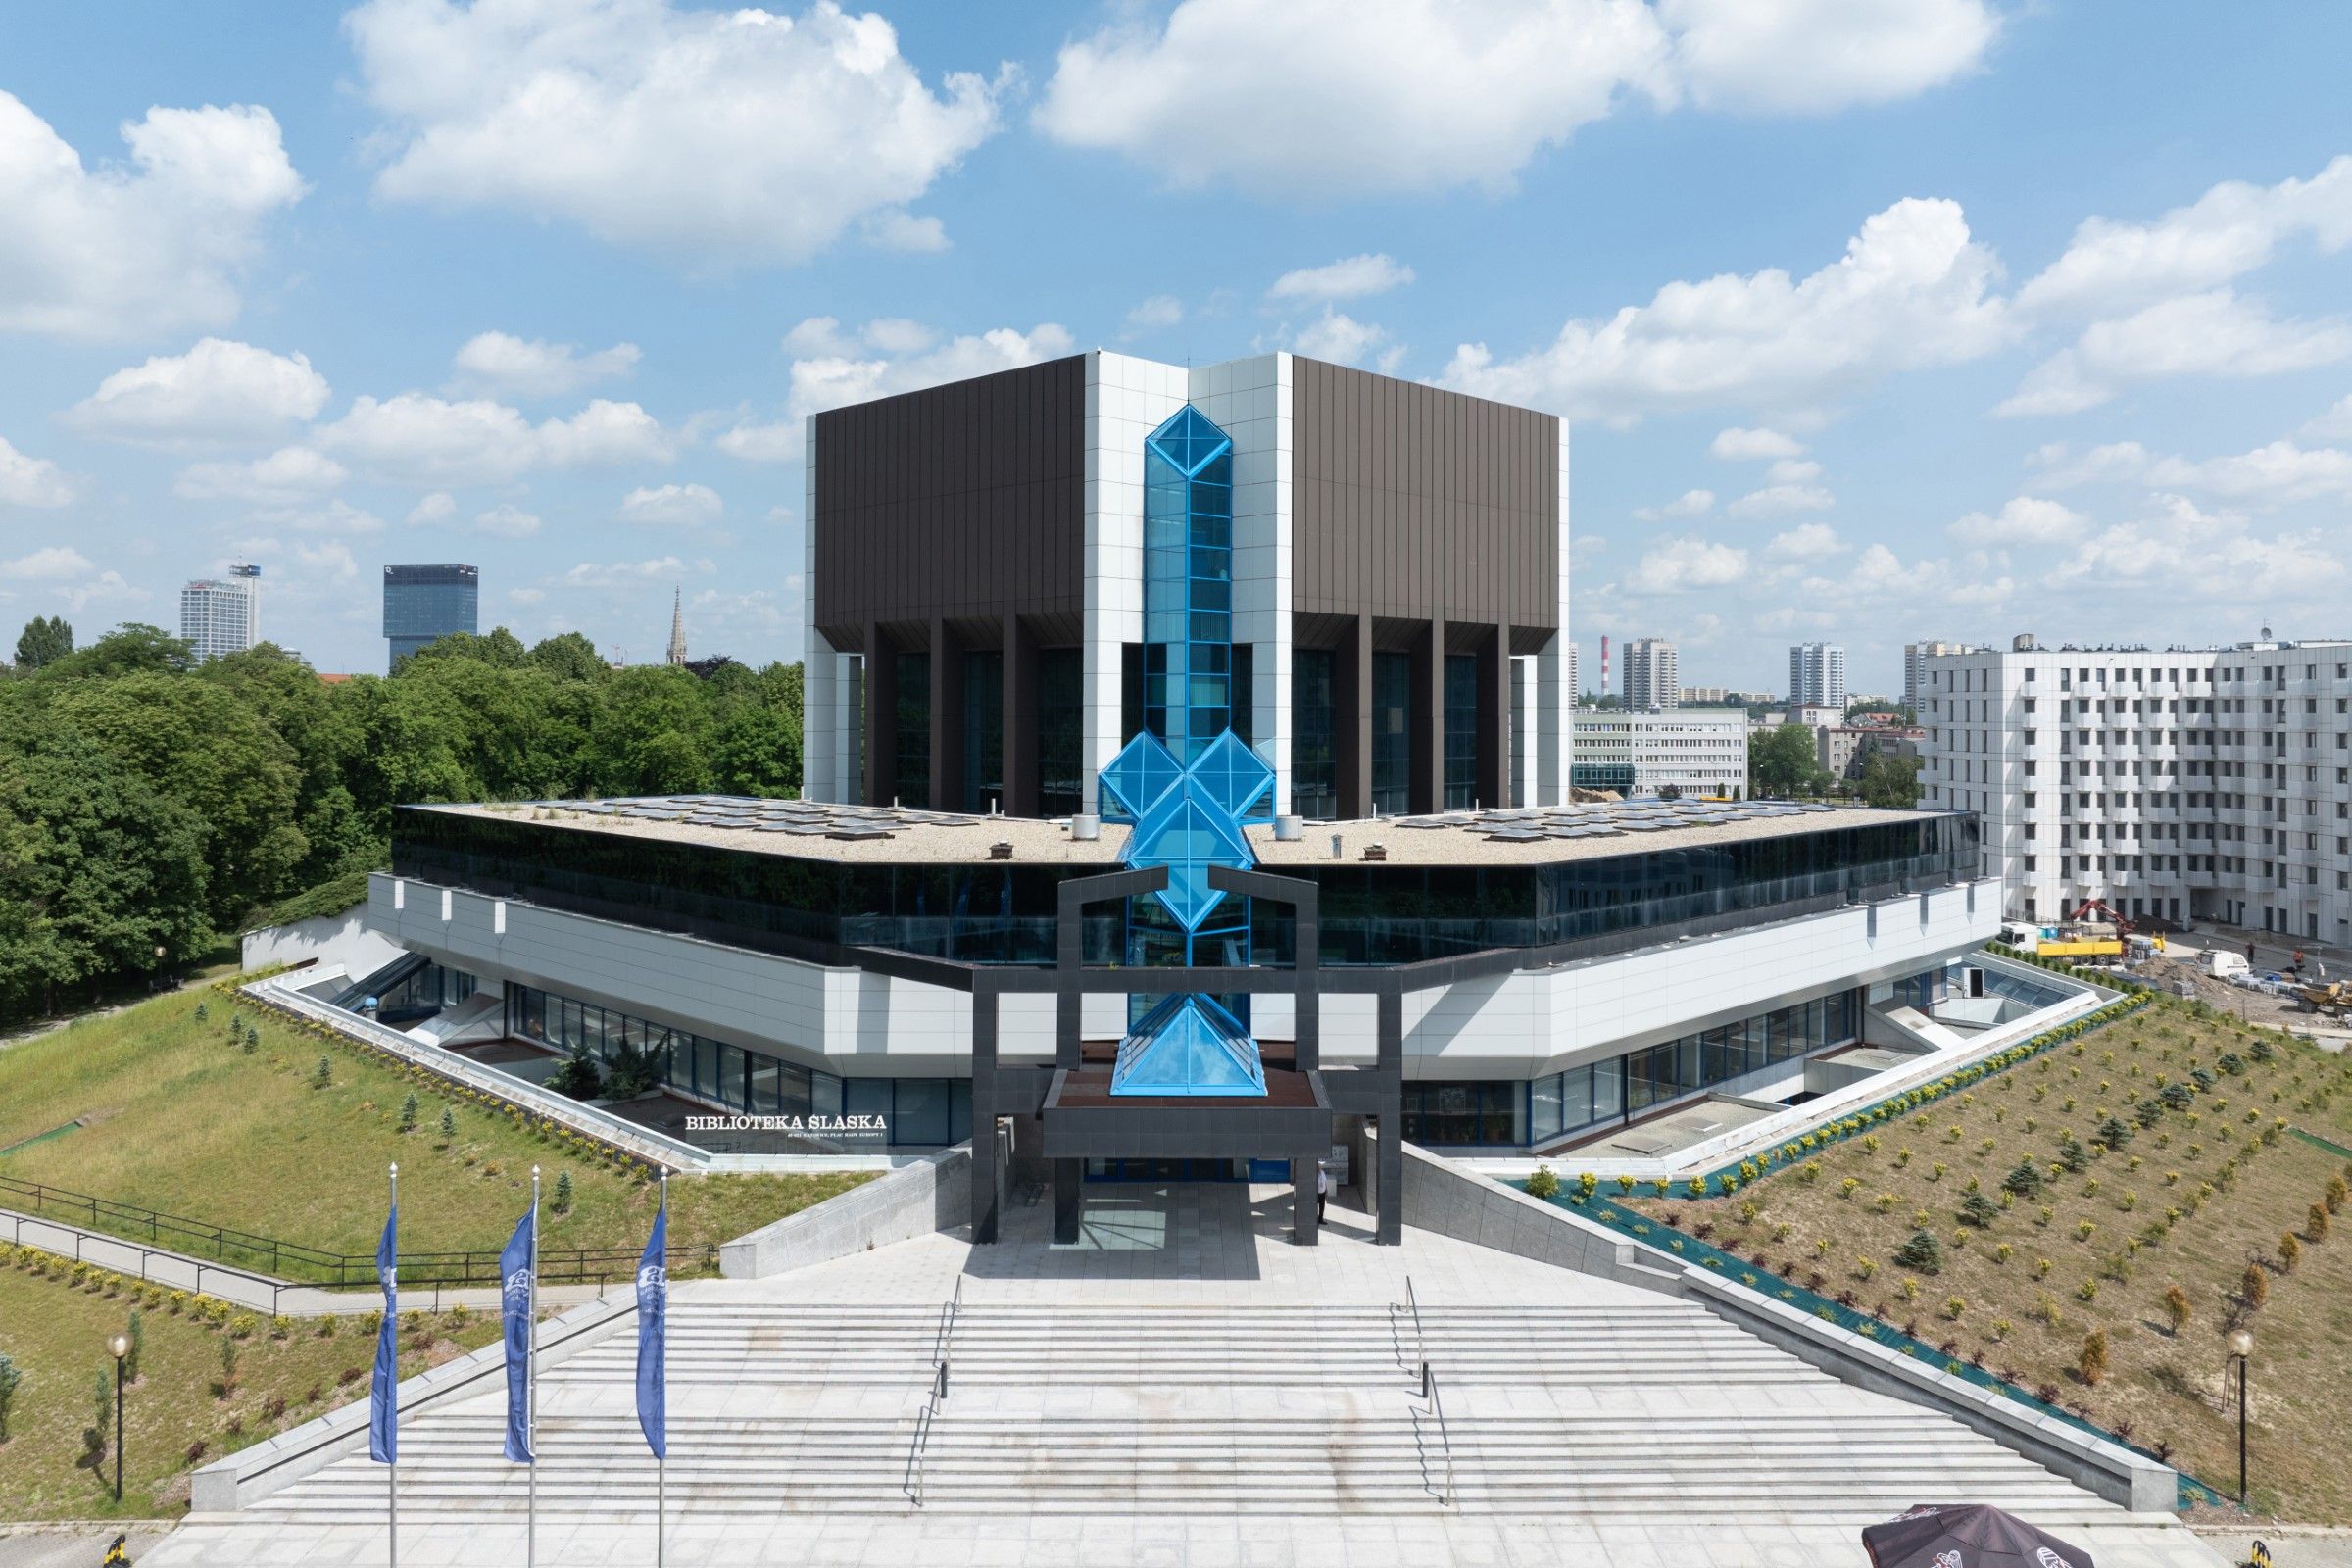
[1696,753]
[1652,675]
[1915,668]
[1817,676]
[1707,696]
[2191,784]
[221,616]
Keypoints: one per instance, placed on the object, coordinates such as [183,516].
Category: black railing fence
[293,1260]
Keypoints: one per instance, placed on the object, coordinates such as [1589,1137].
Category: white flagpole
[661,1460]
[530,1361]
[392,1470]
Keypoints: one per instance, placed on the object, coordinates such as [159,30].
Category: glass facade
[983,730]
[1461,731]
[922,1112]
[988,913]
[1060,726]
[1391,734]
[1188,583]
[1314,745]
[1512,1114]
[424,604]
[910,777]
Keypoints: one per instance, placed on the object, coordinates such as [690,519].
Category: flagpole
[392,1470]
[661,1460]
[530,1542]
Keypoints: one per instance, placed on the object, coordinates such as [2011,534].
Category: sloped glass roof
[1189,441]
[1188,1045]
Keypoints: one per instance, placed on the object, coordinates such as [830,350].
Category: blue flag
[652,1338]
[516,1268]
[384,1395]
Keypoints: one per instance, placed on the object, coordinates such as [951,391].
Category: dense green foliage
[44,641]
[1781,761]
[1889,780]
[150,803]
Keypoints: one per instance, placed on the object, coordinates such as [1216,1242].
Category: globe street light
[120,1345]
[2241,1346]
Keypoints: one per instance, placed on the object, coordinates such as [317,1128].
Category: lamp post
[120,1345]
[2241,1346]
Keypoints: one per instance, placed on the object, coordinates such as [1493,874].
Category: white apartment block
[1697,753]
[2193,784]
[220,616]
[1915,668]
[1654,677]
[1817,676]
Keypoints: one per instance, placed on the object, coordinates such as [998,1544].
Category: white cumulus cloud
[500,361]
[2021,520]
[1322,98]
[631,573]
[1807,541]
[1780,500]
[1913,290]
[436,506]
[1351,279]
[287,476]
[1684,565]
[51,563]
[1741,445]
[30,482]
[836,367]
[417,438]
[124,252]
[508,522]
[1689,504]
[674,506]
[218,391]
[2214,333]
[714,136]
[1337,337]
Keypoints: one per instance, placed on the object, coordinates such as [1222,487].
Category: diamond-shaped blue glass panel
[1234,775]
[1188,440]
[1188,1045]
[1187,832]
[1137,778]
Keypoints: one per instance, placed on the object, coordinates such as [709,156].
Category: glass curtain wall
[911,781]
[1188,583]
[924,1113]
[1507,1113]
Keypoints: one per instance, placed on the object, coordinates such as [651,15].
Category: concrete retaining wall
[932,1193]
[1442,1197]
[249,1475]
[331,939]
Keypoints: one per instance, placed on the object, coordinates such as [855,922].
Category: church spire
[677,626]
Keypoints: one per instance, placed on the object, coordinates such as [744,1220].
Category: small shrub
[2093,1362]
[1923,1251]
[2175,1308]
[408,1112]
[2254,1286]
[1543,1184]
[2087,1291]
[1954,1307]
[323,1075]
[2290,1252]
[448,1126]
[2315,1224]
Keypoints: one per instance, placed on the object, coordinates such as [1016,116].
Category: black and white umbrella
[1966,1535]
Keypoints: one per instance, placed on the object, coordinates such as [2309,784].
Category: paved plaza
[1185,1387]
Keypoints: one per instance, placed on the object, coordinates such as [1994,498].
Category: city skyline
[1890,341]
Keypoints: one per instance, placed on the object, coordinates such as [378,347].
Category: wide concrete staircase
[1657,1409]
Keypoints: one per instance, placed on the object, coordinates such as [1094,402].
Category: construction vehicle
[2335,998]
[2084,934]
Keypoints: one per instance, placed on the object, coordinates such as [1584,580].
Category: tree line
[150,805]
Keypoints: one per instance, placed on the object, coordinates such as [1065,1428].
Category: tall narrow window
[1060,716]
[1392,733]
[1315,756]
[1461,731]
[1188,583]
[983,730]
[911,781]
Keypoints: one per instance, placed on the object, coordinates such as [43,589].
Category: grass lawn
[2050,1232]
[56,1335]
[176,1117]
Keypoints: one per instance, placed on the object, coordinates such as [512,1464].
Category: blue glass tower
[1188,781]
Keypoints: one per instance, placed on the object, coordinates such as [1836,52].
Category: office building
[221,616]
[1381,566]
[422,604]
[1691,752]
[1654,680]
[2185,784]
[1817,676]
[1915,668]
[1707,695]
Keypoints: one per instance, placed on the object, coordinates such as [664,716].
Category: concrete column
[1427,722]
[1069,1203]
[946,721]
[1304,1228]
[1495,720]
[1390,1231]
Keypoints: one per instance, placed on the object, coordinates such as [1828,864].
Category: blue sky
[1877,318]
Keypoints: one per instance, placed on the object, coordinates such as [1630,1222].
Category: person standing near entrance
[1322,1191]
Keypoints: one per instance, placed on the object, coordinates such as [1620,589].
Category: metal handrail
[1420,1339]
[1429,1391]
[942,1344]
